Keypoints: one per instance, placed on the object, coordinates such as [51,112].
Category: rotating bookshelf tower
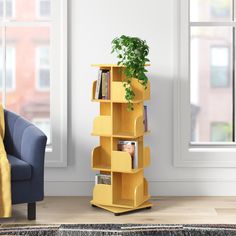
[128,190]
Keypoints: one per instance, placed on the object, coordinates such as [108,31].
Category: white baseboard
[156,188]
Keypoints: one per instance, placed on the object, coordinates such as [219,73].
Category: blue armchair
[25,146]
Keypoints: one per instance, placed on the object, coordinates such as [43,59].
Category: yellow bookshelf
[129,189]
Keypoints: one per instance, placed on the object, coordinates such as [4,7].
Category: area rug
[117,229]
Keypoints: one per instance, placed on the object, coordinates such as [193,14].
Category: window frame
[186,154]
[56,154]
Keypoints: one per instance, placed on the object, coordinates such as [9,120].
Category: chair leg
[32,211]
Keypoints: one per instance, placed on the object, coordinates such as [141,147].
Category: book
[103,179]
[98,85]
[145,118]
[103,85]
[132,148]
[104,82]
[108,85]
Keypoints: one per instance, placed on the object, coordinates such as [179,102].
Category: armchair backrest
[15,127]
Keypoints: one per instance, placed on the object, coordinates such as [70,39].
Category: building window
[44,8]
[42,68]
[220,68]
[10,8]
[220,132]
[10,69]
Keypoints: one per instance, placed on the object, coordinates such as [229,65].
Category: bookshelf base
[119,210]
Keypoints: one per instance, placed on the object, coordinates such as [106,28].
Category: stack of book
[132,148]
[103,85]
[103,179]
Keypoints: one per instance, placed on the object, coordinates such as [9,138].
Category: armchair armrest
[33,144]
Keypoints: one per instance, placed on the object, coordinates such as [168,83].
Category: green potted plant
[132,53]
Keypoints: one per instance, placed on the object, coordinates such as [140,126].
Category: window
[27,72]
[204,92]
[42,68]
[10,5]
[10,69]
[211,50]
[220,132]
[44,8]
[220,68]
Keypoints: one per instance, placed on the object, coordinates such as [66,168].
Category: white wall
[92,26]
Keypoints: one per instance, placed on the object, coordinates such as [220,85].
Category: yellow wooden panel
[100,159]
[127,123]
[121,161]
[129,183]
[145,188]
[138,195]
[146,155]
[116,209]
[102,194]
[93,89]
[138,126]
[118,92]
[105,109]
[95,156]
[102,125]
[140,92]
[118,73]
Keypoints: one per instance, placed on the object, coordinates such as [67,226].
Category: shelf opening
[127,123]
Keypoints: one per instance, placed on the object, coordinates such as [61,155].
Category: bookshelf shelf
[128,190]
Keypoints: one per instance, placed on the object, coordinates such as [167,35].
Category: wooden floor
[165,210]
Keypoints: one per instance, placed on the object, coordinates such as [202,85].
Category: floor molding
[156,188]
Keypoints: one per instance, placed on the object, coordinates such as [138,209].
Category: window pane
[32,10]
[44,79]
[43,67]
[220,132]
[210,10]
[211,82]
[220,69]
[26,99]
[10,68]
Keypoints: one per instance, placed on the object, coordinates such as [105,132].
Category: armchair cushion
[20,170]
